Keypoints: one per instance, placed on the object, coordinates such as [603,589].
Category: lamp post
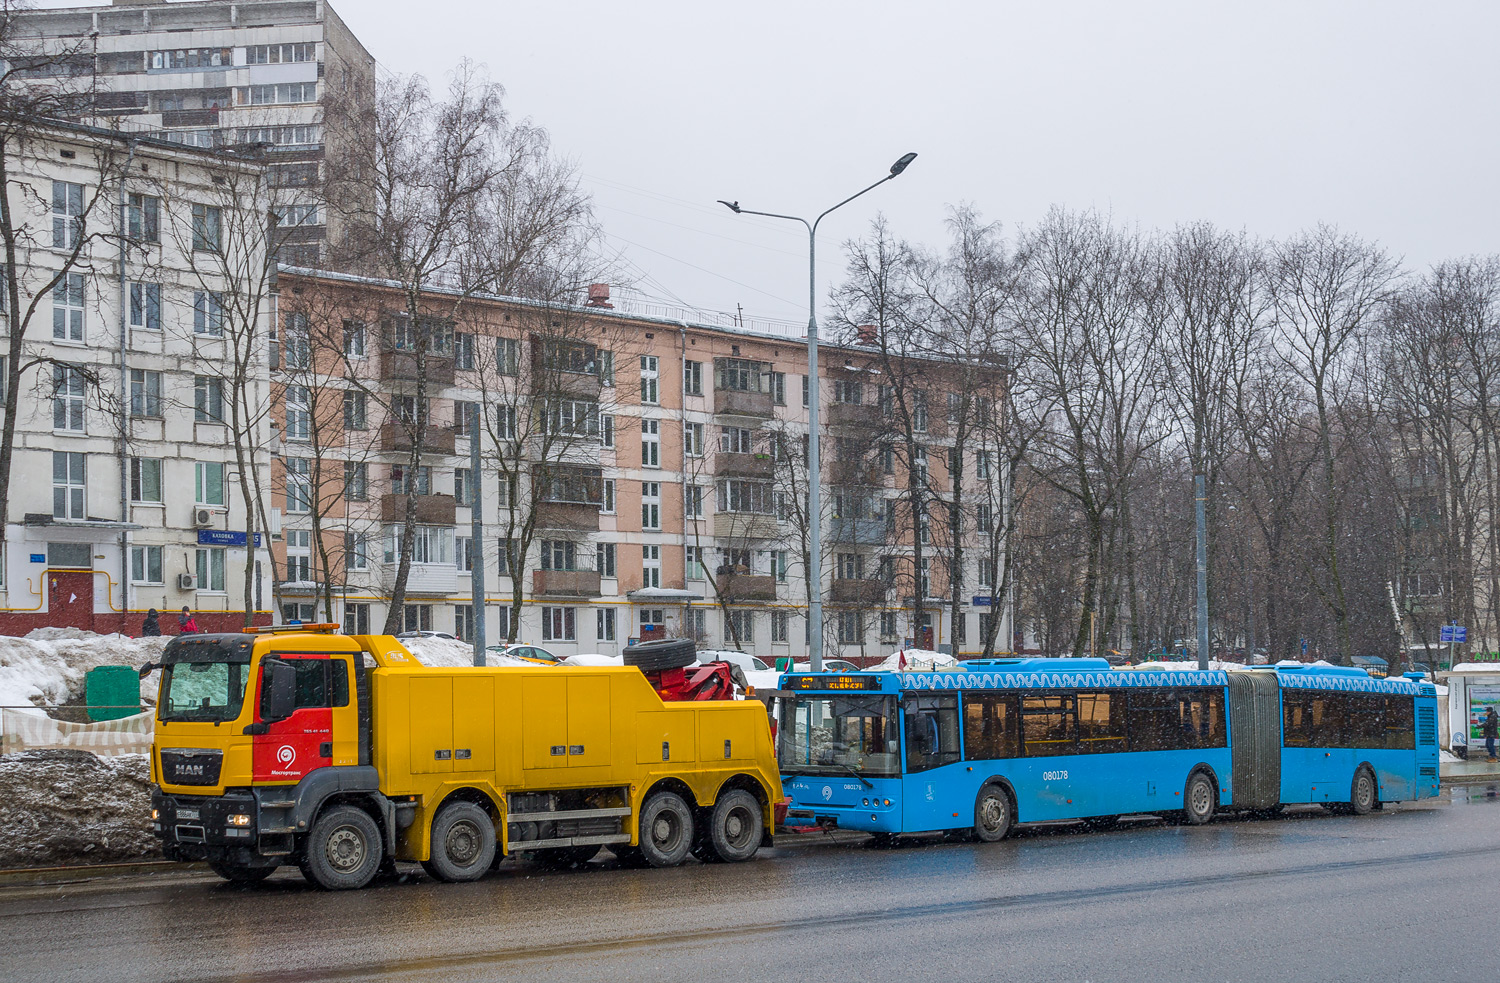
[814,476]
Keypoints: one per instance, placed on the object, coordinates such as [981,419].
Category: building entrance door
[70,598]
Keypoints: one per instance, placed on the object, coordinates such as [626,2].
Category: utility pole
[1200,495]
[476,542]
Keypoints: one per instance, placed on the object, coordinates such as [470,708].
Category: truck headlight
[239,819]
[155,814]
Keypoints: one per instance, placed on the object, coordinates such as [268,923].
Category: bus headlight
[239,819]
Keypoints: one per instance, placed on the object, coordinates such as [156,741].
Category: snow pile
[65,807]
[1186,666]
[914,660]
[48,665]
[448,653]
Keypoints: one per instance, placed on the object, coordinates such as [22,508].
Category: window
[652,618]
[417,617]
[356,481]
[738,374]
[563,355]
[411,481]
[650,505]
[888,458]
[208,399]
[849,566]
[356,619]
[607,506]
[463,553]
[145,565]
[1101,722]
[696,625]
[919,412]
[650,565]
[650,443]
[145,306]
[558,624]
[931,731]
[984,518]
[298,484]
[650,391]
[299,555]
[279,94]
[848,391]
[67,398]
[606,368]
[607,429]
[67,485]
[508,550]
[291,216]
[354,339]
[604,557]
[280,54]
[410,410]
[806,385]
[740,626]
[463,622]
[145,393]
[355,417]
[559,554]
[208,314]
[604,624]
[429,544]
[571,417]
[780,622]
[67,214]
[208,483]
[143,218]
[506,425]
[982,465]
[885,398]
[778,388]
[207,230]
[211,570]
[779,565]
[508,356]
[183,59]
[463,417]
[693,507]
[463,351]
[145,479]
[851,628]
[1173,719]
[989,725]
[67,308]
[888,626]
[1049,724]
[463,486]
[736,440]
[356,551]
[692,378]
[693,562]
[296,342]
[298,413]
[692,439]
[738,495]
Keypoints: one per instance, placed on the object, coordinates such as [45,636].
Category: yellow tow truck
[342,754]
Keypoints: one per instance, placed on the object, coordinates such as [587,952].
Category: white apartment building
[211,73]
[124,490]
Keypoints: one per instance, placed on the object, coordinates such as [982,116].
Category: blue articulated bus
[1003,741]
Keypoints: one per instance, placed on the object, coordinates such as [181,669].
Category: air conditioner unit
[203,518]
[186,581]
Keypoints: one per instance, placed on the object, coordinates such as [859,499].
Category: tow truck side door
[291,748]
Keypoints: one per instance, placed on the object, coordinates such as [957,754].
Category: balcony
[855,474]
[745,587]
[861,415]
[396,436]
[432,510]
[732,465]
[865,593]
[736,402]
[425,579]
[564,583]
[857,532]
[580,516]
[744,525]
[401,366]
[173,118]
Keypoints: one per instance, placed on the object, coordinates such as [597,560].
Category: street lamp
[815,497]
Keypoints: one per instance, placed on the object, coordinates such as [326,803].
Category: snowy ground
[48,665]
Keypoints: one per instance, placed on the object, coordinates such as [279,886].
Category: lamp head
[901,164]
[733,206]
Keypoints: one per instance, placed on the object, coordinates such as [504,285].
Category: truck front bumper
[197,827]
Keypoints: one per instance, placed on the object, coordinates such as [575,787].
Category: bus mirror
[279,693]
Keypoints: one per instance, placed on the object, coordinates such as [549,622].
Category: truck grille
[190,766]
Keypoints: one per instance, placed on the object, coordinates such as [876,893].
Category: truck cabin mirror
[279,694]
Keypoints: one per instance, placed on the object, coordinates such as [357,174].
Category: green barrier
[112,692]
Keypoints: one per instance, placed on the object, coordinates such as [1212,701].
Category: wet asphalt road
[1412,893]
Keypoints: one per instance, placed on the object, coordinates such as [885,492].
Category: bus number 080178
[1054,776]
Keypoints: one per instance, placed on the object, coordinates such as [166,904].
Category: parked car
[529,653]
[427,634]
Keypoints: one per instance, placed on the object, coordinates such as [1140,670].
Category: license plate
[187,813]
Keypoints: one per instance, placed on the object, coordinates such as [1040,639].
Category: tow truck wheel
[343,851]
[666,833]
[734,828]
[463,843]
[237,874]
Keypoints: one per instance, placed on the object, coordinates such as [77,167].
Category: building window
[143,218]
[559,554]
[281,93]
[463,622]
[919,411]
[429,544]
[145,393]
[207,228]
[780,621]
[739,495]
[208,483]
[67,485]
[778,388]
[650,388]
[296,342]
[463,417]
[67,308]
[984,518]
[742,625]
[693,507]
[298,484]
[650,565]
[692,378]
[982,465]
[607,505]
[463,351]
[692,439]
[355,416]
[281,54]
[607,429]
[697,623]
[354,339]
[849,566]
[145,306]
[299,555]
[145,480]
[571,417]
[508,356]
[406,480]
[356,481]
[848,391]
[67,398]
[779,565]
[208,313]
[211,570]
[604,624]
[851,628]
[417,617]
[605,558]
[208,399]
[693,562]
[67,214]
[463,487]
[652,618]
[145,565]
[184,59]
[806,385]
[508,555]
[558,624]
[463,553]
[888,626]
[736,440]
[650,443]
[298,413]
[356,551]
[650,505]
[356,619]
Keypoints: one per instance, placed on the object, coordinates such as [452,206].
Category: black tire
[666,830]
[734,828]
[463,843]
[563,857]
[668,653]
[1200,799]
[236,874]
[343,851]
[1364,794]
[993,815]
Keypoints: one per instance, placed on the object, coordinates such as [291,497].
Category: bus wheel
[1362,795]
[463,843]
[236,874]
[1199,799]
[992,816]
[343,850]
[734,828]
[666,830]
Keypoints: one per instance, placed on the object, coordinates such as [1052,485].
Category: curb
[1490,779]
[83,872]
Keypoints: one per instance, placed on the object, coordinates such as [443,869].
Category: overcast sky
[1377,117]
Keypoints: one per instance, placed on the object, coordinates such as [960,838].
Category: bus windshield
[202,692]
[833,735]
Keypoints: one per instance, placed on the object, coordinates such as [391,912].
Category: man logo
[827,792]
[286,754]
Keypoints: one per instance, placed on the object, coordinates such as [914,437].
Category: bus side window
[1399,720]
[989,726]
[1153,721]
[1363,727]
[931,731]
[1049,725]
[1101,722]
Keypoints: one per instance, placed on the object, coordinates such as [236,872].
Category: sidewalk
[1470,770]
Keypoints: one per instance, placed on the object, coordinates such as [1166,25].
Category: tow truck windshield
[202,692]
[839,735]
